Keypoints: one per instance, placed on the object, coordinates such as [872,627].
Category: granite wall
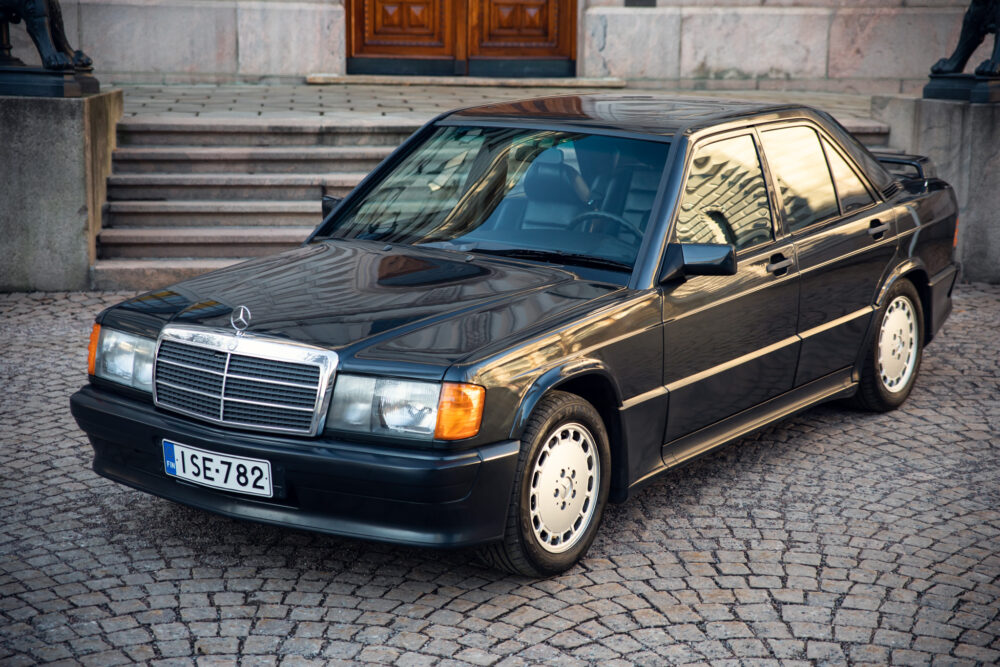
[195,41]
[963,140]
[51,202]
[865,46]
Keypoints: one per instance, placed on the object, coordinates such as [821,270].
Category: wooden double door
[462,37]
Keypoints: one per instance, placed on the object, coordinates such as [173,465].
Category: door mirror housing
[698,259]
[329,203]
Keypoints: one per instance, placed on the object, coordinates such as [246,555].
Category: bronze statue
[44,22]
[981,18]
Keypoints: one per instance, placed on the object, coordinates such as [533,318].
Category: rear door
[729,341]
[844,239]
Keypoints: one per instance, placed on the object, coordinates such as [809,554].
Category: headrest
[548,179]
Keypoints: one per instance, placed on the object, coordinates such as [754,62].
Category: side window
[799,169]
[850,190]
[725,197]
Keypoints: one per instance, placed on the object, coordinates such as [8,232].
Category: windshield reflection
[562,197]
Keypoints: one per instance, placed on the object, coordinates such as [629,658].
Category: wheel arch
[914,271]
[594,383]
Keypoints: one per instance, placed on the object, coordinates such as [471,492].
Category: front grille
[241,390]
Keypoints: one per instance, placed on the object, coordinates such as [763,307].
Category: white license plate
[220,471]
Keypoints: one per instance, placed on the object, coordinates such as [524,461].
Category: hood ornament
[240,319]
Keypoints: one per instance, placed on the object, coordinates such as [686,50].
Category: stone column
[963,140]
[55,157]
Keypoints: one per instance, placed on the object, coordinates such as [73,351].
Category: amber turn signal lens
[954,239]
[460,411]
[95,336]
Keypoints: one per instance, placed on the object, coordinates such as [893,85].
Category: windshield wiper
[568,258]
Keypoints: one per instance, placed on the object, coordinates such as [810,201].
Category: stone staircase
[188,195]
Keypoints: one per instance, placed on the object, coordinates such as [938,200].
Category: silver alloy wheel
[564,486]
[897,344]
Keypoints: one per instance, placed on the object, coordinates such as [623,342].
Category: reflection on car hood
[366,301]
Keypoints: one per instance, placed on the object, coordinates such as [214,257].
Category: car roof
[660,115]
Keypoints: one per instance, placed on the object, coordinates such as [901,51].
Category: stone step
[290,187]
[209,213]
[198,242]
[322,78]
[871,133]
[166,131]
[146,274]
[247,160]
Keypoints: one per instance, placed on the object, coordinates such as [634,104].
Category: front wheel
[560,489]
[893,358]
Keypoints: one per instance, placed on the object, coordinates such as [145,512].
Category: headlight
[406,408]
[123,358]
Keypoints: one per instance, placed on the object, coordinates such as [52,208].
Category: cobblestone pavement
[835,536]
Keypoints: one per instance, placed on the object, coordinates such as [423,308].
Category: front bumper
[391,494]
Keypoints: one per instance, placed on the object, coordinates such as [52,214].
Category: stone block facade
[202,41]
[863,46]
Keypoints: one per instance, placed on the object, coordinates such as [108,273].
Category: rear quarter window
[851,189]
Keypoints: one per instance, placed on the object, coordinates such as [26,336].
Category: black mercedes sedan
[530,309]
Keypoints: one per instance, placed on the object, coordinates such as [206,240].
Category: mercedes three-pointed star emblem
[240,319]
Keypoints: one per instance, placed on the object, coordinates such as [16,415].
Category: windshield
[561,197]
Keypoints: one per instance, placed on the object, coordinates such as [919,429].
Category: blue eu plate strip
[169,462]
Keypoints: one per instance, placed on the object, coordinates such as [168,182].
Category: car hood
[372,302]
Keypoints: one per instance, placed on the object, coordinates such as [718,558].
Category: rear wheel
[560,489]
[893,360]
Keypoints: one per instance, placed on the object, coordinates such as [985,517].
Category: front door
[504,38]
[729,341]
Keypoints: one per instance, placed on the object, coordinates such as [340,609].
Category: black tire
[521,551]
[873,393]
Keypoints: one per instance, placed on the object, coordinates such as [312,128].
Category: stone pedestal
[963,140]
[38,82]
[56,158]
[965,87]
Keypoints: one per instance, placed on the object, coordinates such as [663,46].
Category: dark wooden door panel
[459,30]
[521,28]
[403,28]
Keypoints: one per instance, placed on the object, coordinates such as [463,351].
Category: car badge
[240,319]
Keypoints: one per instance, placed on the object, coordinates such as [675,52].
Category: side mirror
[698,259]
[329,203]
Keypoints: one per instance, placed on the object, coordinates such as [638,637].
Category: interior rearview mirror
[698,259]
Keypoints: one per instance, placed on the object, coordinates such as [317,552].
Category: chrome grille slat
[267,369]
[199,356]
[184,400]
[178,364]
[233,376]
[238,388]
[191,380]
[238,414]
[188,390]
[261,404]
[280,386]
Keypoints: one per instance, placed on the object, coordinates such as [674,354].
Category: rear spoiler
[907,166]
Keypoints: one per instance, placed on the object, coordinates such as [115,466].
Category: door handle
[779,265]
[877,229]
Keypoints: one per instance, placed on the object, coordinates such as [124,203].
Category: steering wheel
[621,224]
